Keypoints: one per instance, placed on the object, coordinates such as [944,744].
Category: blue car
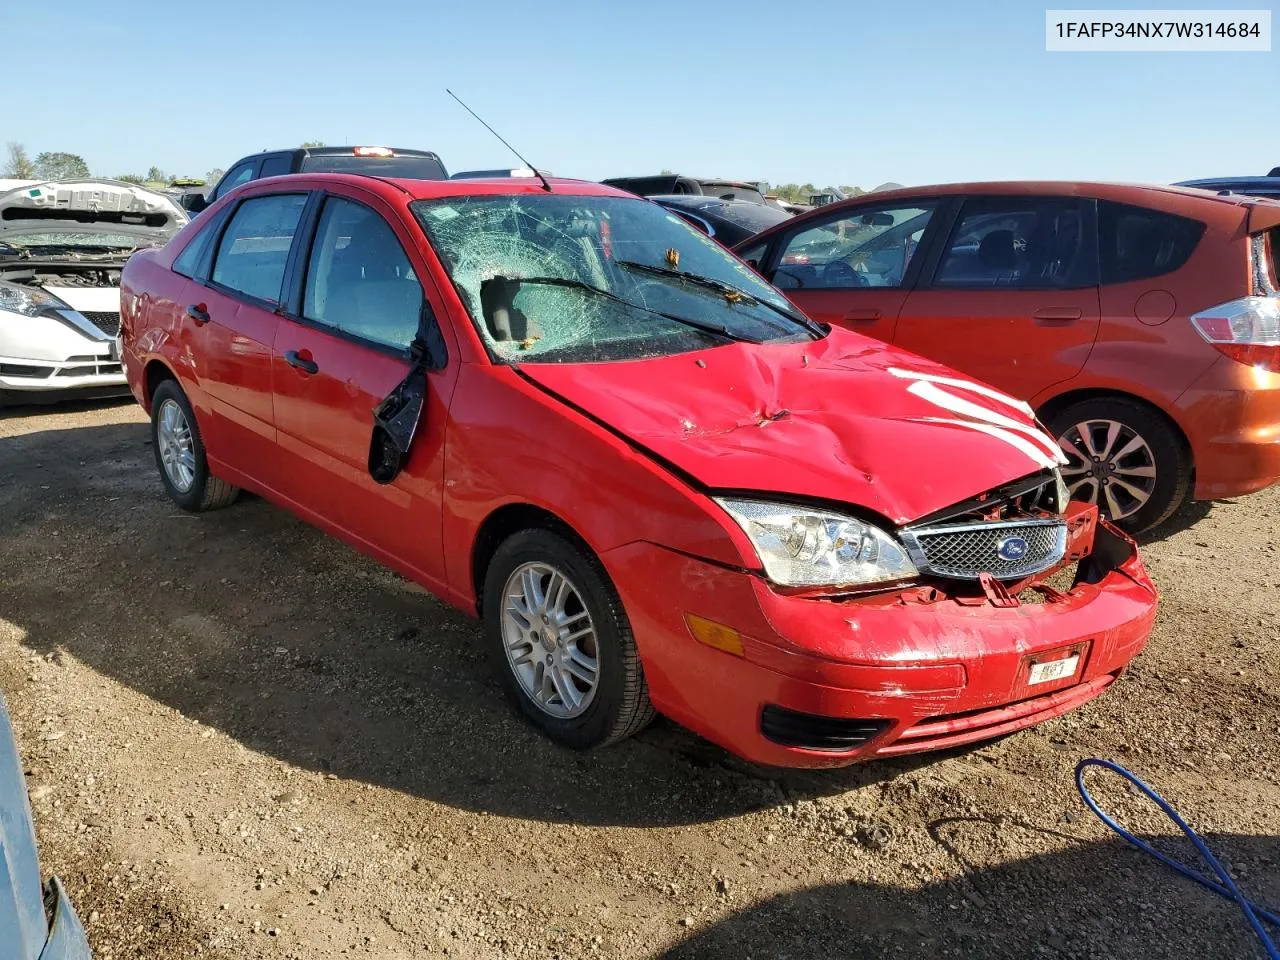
[36,923]
[1268,186]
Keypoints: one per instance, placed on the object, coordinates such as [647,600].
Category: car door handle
[862,316]
[299,362]
[199,313]
[1058,314]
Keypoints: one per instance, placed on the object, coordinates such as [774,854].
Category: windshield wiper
[715,329]
[730,293]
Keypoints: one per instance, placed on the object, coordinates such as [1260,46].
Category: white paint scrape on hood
[87,206]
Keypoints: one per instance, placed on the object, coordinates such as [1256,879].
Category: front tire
[180,457]
[1126,458]
[561,641]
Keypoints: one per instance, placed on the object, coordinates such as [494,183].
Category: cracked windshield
[573,278]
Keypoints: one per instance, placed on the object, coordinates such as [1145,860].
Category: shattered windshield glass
[556,278]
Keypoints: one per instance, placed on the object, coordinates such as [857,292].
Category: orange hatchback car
[1141,323]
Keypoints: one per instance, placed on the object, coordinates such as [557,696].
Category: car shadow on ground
[1074,903]
[15,406]
[296,646]
[1184,518]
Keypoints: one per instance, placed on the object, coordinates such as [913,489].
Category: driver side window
[863,248]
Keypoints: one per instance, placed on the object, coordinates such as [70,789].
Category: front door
[333,363]
[1013,297]
[854,268]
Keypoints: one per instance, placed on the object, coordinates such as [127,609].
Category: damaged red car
[565,411]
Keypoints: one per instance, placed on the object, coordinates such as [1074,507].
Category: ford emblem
[1011,549]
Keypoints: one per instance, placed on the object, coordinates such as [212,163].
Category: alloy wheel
[177,448]
[1110,464]
[550,640]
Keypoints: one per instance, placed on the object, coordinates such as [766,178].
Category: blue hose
[1224,886]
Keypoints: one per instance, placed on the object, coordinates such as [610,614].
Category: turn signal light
[715,634]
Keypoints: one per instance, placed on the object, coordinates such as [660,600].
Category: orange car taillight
[1246,330]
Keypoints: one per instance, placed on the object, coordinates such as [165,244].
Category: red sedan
[562,409]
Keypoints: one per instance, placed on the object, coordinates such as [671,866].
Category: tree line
[69,166]
[58,165]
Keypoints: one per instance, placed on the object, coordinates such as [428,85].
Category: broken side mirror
[193,202]
[397,418]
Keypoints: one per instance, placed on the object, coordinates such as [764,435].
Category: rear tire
[1126,457]
[180,456]
[582,687]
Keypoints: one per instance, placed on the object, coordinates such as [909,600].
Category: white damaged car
[62,244]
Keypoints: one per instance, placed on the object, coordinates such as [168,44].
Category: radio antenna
[545,186]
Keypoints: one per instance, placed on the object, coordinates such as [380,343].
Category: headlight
[801,546]
[27,301]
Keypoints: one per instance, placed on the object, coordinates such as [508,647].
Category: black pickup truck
[372,161]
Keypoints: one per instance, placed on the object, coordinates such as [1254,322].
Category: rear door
[1011,296]
[342,347]
[233,320]
[854,268]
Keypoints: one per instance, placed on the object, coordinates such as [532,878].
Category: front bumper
[68,352]
[929,671]
[78,372]
[67,940]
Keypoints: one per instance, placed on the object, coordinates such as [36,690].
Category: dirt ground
[244,740]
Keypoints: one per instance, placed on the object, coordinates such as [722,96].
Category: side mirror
[193,202]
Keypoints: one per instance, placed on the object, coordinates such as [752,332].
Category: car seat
[372,290]
[997,257]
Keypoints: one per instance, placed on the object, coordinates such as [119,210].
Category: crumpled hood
[87,207]
[846,419]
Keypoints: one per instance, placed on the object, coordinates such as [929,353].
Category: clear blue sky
[844,92]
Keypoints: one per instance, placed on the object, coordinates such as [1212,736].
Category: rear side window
[1029,243]
[404,166]
[255,246]
[193,261]
[1135,243]
[276,166]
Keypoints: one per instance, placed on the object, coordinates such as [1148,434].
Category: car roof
[673,177]
[436,189]
[1233,183]
[348,151]
[696,200]
[1099,190]
[1171,198]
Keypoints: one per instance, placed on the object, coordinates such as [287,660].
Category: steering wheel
[838,273]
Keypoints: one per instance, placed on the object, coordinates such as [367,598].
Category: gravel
[242,739]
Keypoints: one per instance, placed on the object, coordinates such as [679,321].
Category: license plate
[1048,670]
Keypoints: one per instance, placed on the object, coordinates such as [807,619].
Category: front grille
[790,728]
[106,367]
[1008,549]
[22,370]
[106,321]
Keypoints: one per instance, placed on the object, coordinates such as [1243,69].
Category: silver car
[62,244]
